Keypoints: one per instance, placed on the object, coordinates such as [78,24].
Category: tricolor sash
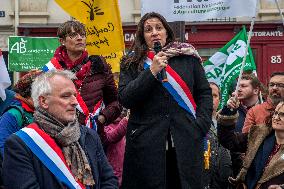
[177,87]
[49,153]
[53,64]
[81,106]
[90,120]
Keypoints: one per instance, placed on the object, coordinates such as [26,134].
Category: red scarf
[25,103]
[62,56]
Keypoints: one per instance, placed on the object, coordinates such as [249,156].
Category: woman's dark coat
[153,114]
[97,86]
[23,170]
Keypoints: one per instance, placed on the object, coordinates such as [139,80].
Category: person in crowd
[247,97]
[258,114]
[55,151]
[276,186]
[19,112]
[114,142]
[5,80]
[95,83]
[263,164]
[168,120]
[220,165]
[10,95]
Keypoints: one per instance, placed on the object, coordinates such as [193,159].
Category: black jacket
[154,113]
[220,169]
[23,170]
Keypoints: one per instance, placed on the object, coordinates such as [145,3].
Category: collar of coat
[275,167]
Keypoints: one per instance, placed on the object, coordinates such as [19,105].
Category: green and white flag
[224,66]
[26,53]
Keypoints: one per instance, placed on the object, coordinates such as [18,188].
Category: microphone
[157,48]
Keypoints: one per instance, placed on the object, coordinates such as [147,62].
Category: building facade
[42,17]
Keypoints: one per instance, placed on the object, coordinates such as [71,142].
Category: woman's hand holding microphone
[160,61]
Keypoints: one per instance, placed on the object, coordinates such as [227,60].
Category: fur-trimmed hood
[275,167]
[226,120]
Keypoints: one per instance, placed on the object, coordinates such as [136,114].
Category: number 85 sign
[276,59]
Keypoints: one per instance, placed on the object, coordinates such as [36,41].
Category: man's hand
[233,103]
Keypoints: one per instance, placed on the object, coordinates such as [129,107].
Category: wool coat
[154,113]
[23,170]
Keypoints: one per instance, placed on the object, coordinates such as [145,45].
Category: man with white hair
[55,151]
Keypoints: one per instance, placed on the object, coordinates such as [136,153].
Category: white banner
[5,81]
[199,10]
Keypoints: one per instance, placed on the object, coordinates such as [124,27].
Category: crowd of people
[70,126]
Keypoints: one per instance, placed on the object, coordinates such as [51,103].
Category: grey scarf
[67,138]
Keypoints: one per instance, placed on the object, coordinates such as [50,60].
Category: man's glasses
[278,114]
[75,35]
[278,85]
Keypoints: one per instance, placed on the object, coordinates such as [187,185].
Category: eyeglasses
[74,35]
[278,85]
[279,114]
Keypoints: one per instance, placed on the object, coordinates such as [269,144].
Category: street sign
[26,53]
[2,13]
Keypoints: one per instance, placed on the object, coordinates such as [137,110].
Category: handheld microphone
[157,48]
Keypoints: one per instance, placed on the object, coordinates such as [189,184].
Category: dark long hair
[138,50]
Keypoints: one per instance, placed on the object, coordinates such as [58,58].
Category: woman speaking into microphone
[168,120]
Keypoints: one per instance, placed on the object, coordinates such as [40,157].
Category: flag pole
[280,11]
[246,50]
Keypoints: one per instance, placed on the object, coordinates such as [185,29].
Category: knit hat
[23,86]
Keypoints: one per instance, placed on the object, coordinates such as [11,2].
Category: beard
[276,99]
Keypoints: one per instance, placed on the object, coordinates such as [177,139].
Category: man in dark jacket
[55,151]
[247,97]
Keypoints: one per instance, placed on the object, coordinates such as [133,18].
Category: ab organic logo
[19,47]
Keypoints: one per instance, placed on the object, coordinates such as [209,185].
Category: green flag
[26,53]
[224,66]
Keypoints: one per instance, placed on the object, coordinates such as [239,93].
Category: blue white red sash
[90,120]
[53,64]
[177,87]
[49,153]
[82,107]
